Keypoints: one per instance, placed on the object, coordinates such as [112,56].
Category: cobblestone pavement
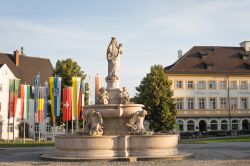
[222,154]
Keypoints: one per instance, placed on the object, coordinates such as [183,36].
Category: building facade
[25,68]
[212,88]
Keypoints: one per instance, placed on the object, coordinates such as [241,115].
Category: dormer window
[209,65]
[247,64]
[203,54]
[244,55]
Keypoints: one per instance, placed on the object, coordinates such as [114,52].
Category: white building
[212,88]
[25,68]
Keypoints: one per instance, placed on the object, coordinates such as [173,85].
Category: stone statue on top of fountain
[95,122]
[124,96]
[113,56]
[103,97]
[136,122]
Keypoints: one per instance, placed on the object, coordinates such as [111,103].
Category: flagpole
[13,129]
[24,132]
[67,127]
[34,123]
[72,127]
[54,128]
[8,129]
[39,133]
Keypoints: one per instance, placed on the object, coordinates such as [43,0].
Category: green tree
[67,69]
[156,95]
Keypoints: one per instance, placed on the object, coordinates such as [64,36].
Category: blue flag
[36,91]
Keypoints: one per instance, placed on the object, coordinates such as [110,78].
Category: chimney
[17,55]
[179,53]
[246,45]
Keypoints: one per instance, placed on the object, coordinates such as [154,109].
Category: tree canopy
[67,69]
[155,93]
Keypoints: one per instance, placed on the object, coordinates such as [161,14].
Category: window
[201,103]
[36,127]
[178,84]
[233,84]
[179,103]
[201,85]
[180,123]
[212,103]
[224,125]
[235,124]
[223,84]
[243,103]
[210,67]
[190,102]
[10,129]
[214,125]
[243,85]
[212,84]
[233,103]
[190,125]
[223,103]
[190,85]
[48,127]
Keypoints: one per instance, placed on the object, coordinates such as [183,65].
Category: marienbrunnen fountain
[116,126]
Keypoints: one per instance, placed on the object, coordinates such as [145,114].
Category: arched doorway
[235,125]
[21,130]
[214,125]
[181,125]
[190,125]
[203,125]
[245,125]
[224,125]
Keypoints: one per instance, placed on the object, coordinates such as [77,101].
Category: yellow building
[212,88]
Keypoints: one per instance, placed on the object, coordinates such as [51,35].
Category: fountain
[115,129]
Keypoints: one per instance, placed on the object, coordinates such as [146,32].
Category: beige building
[212,88]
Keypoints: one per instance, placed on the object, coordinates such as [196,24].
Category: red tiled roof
[225,60]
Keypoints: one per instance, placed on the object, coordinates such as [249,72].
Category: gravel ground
[222,154]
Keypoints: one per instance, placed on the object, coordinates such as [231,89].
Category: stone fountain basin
[114,146]
[116,110]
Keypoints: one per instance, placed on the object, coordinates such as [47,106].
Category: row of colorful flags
[73,98]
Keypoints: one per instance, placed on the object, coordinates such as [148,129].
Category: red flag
[67,104]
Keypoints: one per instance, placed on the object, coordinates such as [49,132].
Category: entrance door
[245,125]
[203,125]
[21,130]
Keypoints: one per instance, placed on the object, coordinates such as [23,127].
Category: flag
[97,87]
[46,93]
[25,96]
[67,104]
[14,87]
[40,100]
[36,91]
[83,98]
[79,102]
[87,94]
[55,95]
[76,92]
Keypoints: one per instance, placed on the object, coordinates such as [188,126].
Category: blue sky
[151,31]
